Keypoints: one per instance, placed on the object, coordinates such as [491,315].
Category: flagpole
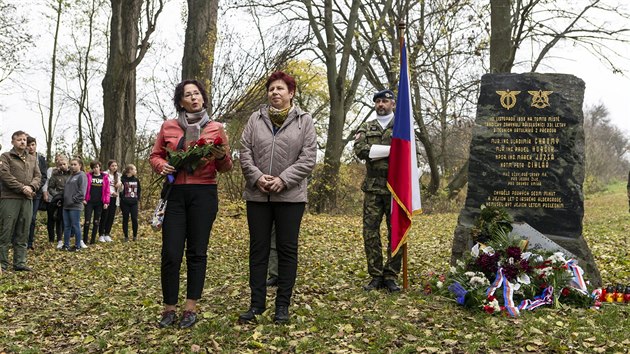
[401,33]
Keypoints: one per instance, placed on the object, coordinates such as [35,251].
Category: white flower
[453,270]
[469,274]
[523,279]
[511,260]
[557,257]
[475,250]
[495,305]
[545,271]
[460,263]
[439,284]
[479,281]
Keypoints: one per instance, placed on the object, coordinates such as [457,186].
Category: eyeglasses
[190,95]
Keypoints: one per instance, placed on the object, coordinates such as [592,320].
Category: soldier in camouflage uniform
[371,136]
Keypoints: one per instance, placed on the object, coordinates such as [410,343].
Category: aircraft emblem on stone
[540,98]
[508,98]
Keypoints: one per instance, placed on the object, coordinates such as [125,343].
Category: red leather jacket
[206,173]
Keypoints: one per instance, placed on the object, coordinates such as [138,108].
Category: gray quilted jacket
[289,154]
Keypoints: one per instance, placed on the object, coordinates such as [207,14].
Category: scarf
[278,116]
[384,120]
[192,123]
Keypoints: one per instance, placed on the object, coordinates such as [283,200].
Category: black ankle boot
[282,314]
[250,315]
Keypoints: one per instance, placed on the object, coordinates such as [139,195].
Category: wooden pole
[401,33]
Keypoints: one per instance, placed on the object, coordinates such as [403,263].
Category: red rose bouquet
[192,156]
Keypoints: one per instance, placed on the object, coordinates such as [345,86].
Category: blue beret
[389,94]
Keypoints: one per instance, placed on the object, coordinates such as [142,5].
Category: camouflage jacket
[371,133]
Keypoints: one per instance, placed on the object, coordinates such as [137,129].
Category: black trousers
[287,218]
[129,208]
[31,232]
[188,220]
[97,209]
[107,218]
[55,222]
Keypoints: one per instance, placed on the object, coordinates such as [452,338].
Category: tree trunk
[201,37]
[500,36]
[118,137]
[423,135]
[326,184]
[342,84]
[84,80]
[50,133]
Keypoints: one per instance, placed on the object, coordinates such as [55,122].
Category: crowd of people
[278,152]
[64,191]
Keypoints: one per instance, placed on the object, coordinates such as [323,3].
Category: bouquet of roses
[192,156]
[189,158]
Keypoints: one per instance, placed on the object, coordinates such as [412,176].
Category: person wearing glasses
[192,200]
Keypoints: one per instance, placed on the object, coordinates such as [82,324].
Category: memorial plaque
[527,155]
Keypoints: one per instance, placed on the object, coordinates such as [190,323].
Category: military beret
[389,94]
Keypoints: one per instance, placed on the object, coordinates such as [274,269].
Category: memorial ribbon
[545,298]
[578,280]
[508,292]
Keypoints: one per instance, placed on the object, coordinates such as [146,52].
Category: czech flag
[402,177]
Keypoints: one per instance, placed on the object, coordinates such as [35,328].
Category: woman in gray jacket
[278,152]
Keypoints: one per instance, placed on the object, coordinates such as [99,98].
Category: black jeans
[287,218]
[107,218]
[97,208]
[190,213]
[55,222]
[31,231]
[127,208]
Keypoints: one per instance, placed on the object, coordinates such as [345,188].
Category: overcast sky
[613,90]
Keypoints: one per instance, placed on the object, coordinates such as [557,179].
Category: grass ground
[107,298]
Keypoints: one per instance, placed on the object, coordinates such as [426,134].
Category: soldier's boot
[375,284]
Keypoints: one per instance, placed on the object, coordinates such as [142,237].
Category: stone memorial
[527,156]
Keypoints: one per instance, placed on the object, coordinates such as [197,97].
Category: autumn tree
[334,26]
[446,46]
[14,39]
[127,48]
[607,147]
[48,124]
[542,25]
[80,65]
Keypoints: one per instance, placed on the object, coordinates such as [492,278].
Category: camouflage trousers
[374,207]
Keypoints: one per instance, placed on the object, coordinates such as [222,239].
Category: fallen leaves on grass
[107,298]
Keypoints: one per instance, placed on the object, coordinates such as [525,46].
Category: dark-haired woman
[96,199]
[278,153]
[192,201]
[107,218]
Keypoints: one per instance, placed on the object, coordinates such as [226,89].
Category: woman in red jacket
[192,201]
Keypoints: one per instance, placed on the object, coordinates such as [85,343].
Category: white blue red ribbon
[578,277]
[545,298]
[508,293]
